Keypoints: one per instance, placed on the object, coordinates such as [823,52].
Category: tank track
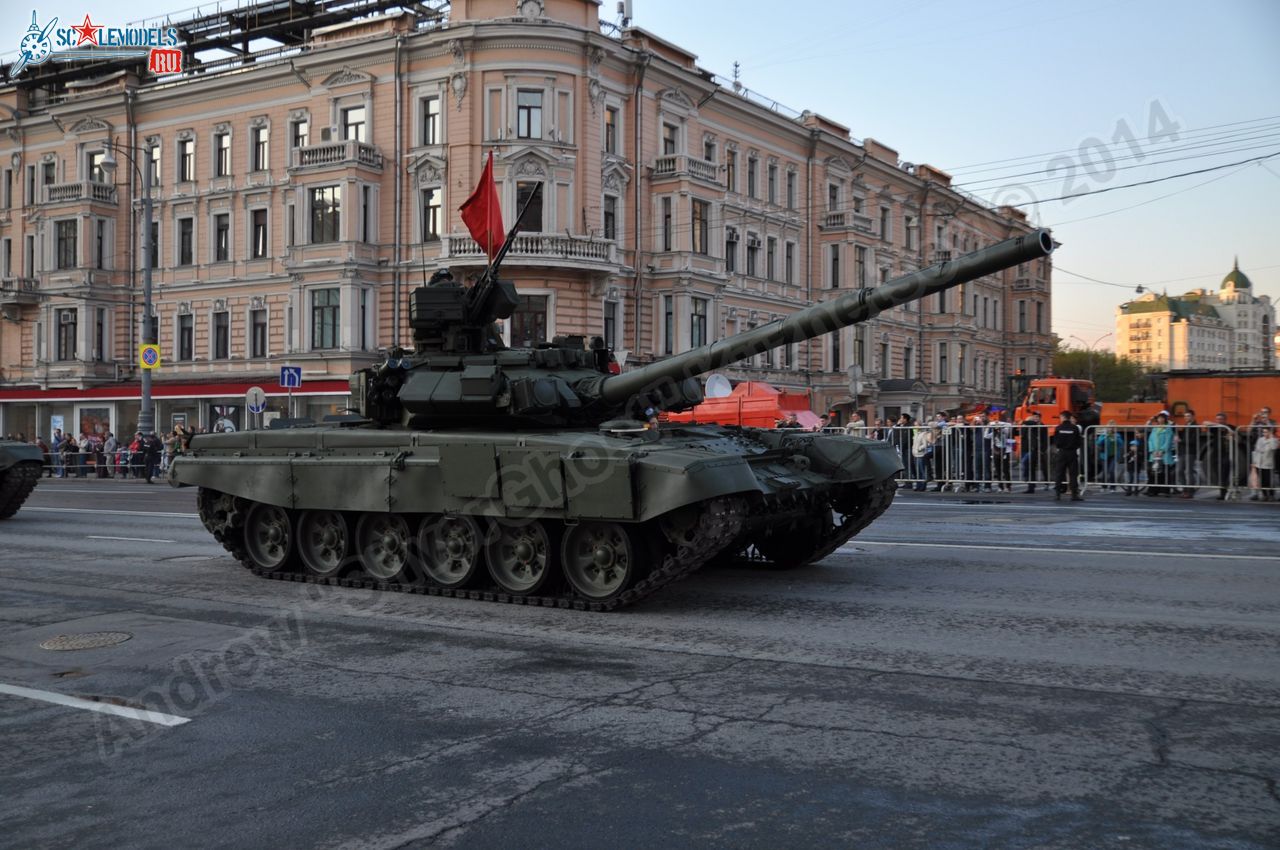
[16,484]
[867,504]
[714,529]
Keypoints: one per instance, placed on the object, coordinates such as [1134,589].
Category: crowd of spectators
[143,456]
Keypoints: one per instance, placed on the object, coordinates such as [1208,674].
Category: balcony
[681,165]
[18,290]
[846,220]
[341,153]
[66,193]
[1030,284]
[538,249]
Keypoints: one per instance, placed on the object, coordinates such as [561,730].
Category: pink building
[301,192]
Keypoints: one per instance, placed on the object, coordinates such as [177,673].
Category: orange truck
[1238,394]
[752,403]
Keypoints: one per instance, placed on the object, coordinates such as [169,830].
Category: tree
[1116,378]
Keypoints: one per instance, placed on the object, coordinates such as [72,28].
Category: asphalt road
[1007,673]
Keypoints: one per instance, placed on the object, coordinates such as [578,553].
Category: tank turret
[462,374]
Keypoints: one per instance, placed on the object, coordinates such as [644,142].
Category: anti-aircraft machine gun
[529,476]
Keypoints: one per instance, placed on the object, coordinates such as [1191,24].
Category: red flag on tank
[481,213]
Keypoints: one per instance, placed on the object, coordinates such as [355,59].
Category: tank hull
[677,498]
[20,466]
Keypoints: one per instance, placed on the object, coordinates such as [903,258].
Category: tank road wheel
[323,542]
[600,559]
[519,555]
[383,543]
[268,537]
[450,549]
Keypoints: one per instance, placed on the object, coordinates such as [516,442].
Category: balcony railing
[837,219]
[673,165]
[61,193]
[553,246]
[18,290]
[1030,284]
[347,152]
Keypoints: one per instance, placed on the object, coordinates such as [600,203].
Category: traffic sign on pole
[291,377]
[149,355]
[256,399]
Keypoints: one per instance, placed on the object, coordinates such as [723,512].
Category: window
[731,249]
[1039,317]
[8,188]
[222,154]
[221,237]
[668,325]
[431,121]
[771,183]
[789,263]
[430,215]
[528,114]
[610,217]
[835,266]
[186,337]
[101,244]
[529,322]
[611,129]
[833,197]
[258,333]
[962,357]
[186,160]
[908,362]
[155,165]
[154,249]
[771,258]
[666,224]
[100,334]
[670,138]
[532,221]
[942,301]
[886,224]
[65,231]
[611,325]
[860,266]
[66,341]
[1022,317]
[753,254]
[944,374]
[324,318]
[95,170]
[731,170]
[791,190]
[326,214]
[258,237]
[700,216]
[366,213]
[752,188]
[7,266]
[912,230]
[186,240]
[49,173]
[299,132]
[698,323]
[709,150]
[258,148]
[353,126]
[364,320]
[221,335]
[835,351]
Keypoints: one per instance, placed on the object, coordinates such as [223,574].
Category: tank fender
[13,453]
[262,479]
[665,482]
[852,459]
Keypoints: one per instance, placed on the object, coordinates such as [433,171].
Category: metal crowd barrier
[1168,460]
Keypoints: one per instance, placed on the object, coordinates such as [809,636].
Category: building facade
[1230,328]
[299,193]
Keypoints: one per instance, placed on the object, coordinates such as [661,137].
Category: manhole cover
[88,640]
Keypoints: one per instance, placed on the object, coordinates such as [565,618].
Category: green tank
[535,476]
[20,465]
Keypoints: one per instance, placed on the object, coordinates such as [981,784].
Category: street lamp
[1090,348]
[146,414]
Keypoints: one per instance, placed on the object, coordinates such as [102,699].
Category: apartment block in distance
[301,191]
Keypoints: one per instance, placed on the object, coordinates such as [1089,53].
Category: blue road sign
[291,377]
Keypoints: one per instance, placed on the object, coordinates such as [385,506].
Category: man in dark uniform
[1218,450]
[1067,440]
[1035,445]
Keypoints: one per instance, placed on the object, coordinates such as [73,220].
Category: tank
[20,466]
[535,476]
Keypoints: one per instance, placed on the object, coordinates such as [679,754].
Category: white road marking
[156,717]
[110,512]
[1062,551]
[131,539]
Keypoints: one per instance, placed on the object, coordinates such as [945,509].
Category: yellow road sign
[149,356]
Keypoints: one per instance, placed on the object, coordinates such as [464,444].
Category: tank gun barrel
[850,308]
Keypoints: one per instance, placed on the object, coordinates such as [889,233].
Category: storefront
[213,406]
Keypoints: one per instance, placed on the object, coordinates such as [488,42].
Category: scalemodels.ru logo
[88,40]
